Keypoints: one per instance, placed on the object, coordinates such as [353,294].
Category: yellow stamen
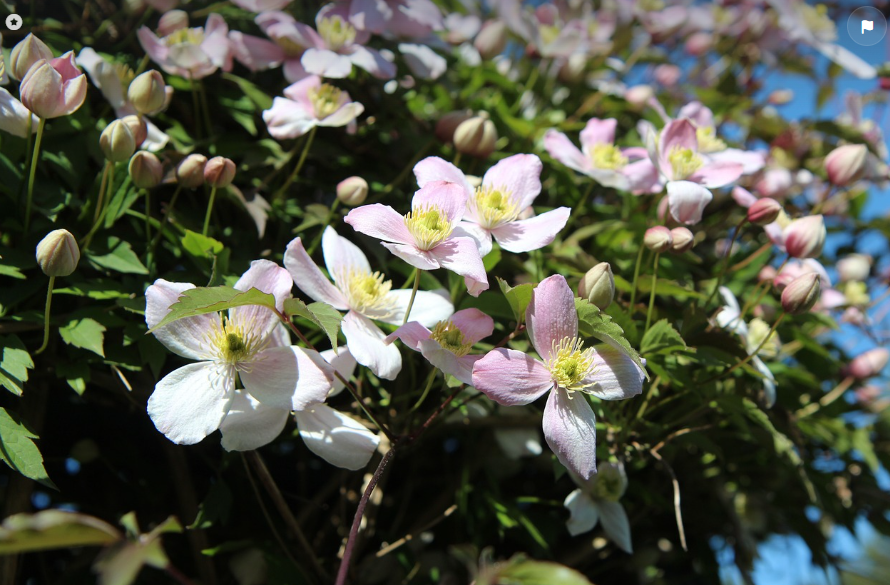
[451,338]
[607,156]
[493,206]
[570,364]
[708,141]
[336,32]
[428,225]
[125,74]
[235,344]
[367,293]
[684,162]
[185,36]
[326,99]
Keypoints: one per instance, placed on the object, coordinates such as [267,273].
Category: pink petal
[381,222]
[570,430]
[343,363]
[250,424]
[474,324]
[519,176]
[288,119]
[477,233]
[346,114]
[423,62]
[677,134]
[561,148]
[449,197]
[299,91]
[186,337]
[751,161]
[373,62]
[342,256]
[698,113]
[269,278]
[717,174]
[411,334]
[459,367]
[189,403]
[309,279]
[433,168]
[365,342]
[616,376]
[294,71]
[642,176]
[743,197]
[530,234]
[687,201]
[326,63]
[66,66]
[420,259]
[510,377]
[255,53]
[598,132]
[551,315]
[461,256]
[152,45]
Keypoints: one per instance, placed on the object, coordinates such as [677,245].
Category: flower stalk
[279,195]
[33,171]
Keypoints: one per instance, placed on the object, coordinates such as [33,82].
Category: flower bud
[764,211]
[219,172]
[190,172]
[492,39]
[802,293]
[854,267]
[639,95]
[598,285]
[699,43]
[137,127]
[683,240]
[869,364]
[766,273]
[172,21]
[146,170]
[57,253]
[780,97]
[448,123]
[352,191]
[805,237]
[476,137]
[27,52]
[658,239]
[117,142]
[667,74]
[54,88]
[846,164]
[147,92]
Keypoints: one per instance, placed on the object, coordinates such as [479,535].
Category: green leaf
[492,259]
[661,338]
[85,333]
[215,509]
[201,246]
[15,364]
[518,296]
[527,572]
[120,258]
[593,322]
[256,95]
[51,529]
[19,451]
[322,314]
[203,300]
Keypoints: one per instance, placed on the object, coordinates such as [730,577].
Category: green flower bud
[352,191]
[58,254]
[117,142]
[598,285]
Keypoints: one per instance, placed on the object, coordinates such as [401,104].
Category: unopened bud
[58,254]
[805,237]
[27,52]
[869,364]
[639,95]
[146,171]
[802,293]
[219,172]
[448,123]
[780,97]
[147,92]
[598,285]
[190,172]
[846,164]
[764,211]
[476,137]
[137,127]
[117,142]
[683,240]
[658,239]
[172,21]
[854,267]
[492,39]
[352,191]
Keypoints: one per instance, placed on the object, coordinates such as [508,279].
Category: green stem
[100,197]
[293,176]
[317,240]
[579,209]
[413,294]
[726,257]
[49,301]
[633,287]
[209,211]
[33,172]
[157,238]
[147,216]
[426,390]
[100,219]
[652,293]
[30,139]
[456,161]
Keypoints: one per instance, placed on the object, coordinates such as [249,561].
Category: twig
[259,499]
[410,536]
[677,513]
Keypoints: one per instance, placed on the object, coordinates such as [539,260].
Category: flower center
[451,338]
[493,206]
[367,293]
[234,343]
[607,156]
[757,332]
[336,32]
[185,36]
[571,365]
[684,162]
[125,74]
[428,225]
[708,141]
[608,486]
[548,33]
[326,99]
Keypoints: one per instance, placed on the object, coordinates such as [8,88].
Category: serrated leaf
[593,322]
[661,338]
[518,297]
[51,529]
[322,314]
[203,300]
[201,246]
[19,451]
[86,334]
[120,258]
[15,364]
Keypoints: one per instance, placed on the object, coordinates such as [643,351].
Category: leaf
[19,451]
[593,322]
[203,300]
[51,529]
[15,364]
[120,258]
[215,508]
[85,333]
[518,296]
[256,95]
[201,246]
[661,338]
[322,314]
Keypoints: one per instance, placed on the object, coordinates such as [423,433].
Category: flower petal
[429,307]
[584,513]
[717,174]
[474,324]
[288,377]
[616,524]
[288,119]
[422,61]
[570,430]
[461,256]
[561,148]
[409,253]
[510,377]
[411,334]
[338,439]
[255,53]
[251,424]
[459,367]
[519,176]
[185,337]
[342,256]
[343,363]
[533,233]
[325,63]
[189,403]
[309,279]
[551,315]
[687,201]
[365,342]
[373,62]
[343,116]
[475,232]
[381,222]
[616,376]
[449,197]
[433,168]
[270,278]
[677,134]
[598,132]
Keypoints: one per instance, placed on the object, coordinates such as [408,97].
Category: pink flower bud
[639,95]
[699,43]
[683,240]
[476,137]
[764,211]
[352,191]
[658,239]
[147,92]
[58,254]
[492,39]
[867,394]
[869,364]
[138,128]
[449,122]
[27,52]
[219,172]
[766,273]
[598,285]
[846,164]
[190,172]
[146,170]
[854,267]
[667,75]
[117,142]
[805,237]
[801,294]
[54,88]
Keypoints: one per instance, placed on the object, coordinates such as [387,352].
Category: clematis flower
[712,148]
[290,39]
[309,103]
[448,344]
[248,344]
[54,88]
[424,237]
[494,208]
[14,116]
[261,5]
[366,297]
[395,18]
[342,46]
[193,53]
[596,500]
[511,377]
[626,169]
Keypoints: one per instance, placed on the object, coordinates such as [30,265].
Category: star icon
[13,22]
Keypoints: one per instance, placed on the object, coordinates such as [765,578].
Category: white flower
[597,500]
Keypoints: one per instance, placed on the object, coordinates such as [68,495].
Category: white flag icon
[867,25]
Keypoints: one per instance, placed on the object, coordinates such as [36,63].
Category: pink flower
[508,188]
[868,364]
[342,47]
[805,236]
[424,237]
[193,53]
[448,344]
[395,18]
[54,88]
[512,377]
[712,148]
[627,169]
[366,297]
[261,5]
[290,39]
[309,103]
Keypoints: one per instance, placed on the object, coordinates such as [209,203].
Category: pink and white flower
[14,116]
[712,148]
[596,501]
[193,53]
[566,368]
[248,344]
[395,18]
[426,237]
[309,103]
[448,344]
[365,295]
[54,87]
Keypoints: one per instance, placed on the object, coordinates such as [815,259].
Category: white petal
[428,309]
[251,424]
[616,524]
[287,377]
[342,256]
[186,337]
[617,376]
[584,513]
[343,362]
[336,438]
[189,403]
[365,342]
